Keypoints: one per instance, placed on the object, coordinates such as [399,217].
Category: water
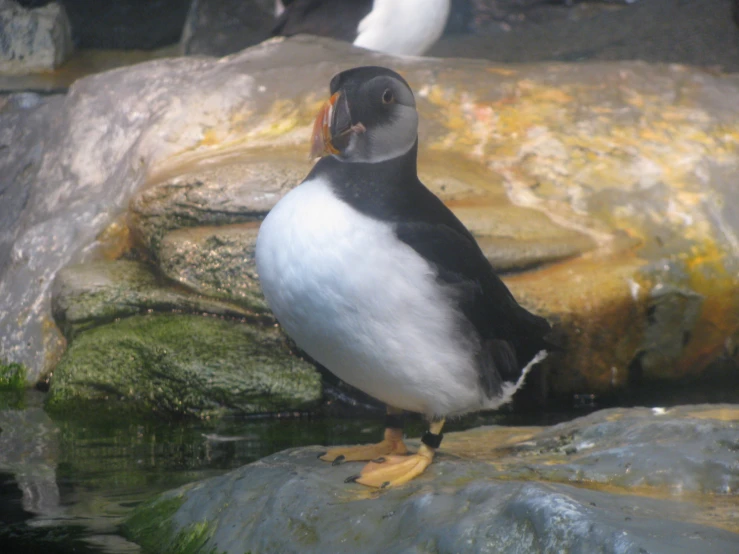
[66,484]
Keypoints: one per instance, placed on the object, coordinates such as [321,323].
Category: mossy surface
[218,262]
[151,527]
[12,376]
[182,365]
[89,295]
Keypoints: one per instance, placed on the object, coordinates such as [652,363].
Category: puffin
[400,27]
[377,280]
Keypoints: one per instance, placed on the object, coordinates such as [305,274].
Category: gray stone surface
[126,24]
[239,192]
[33,40]
[21,117]
[684,450]
[89,295]
[698,32]
[216,261]
[292,502]
[221,27]
[81,158]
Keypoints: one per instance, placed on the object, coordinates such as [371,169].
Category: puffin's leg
[392,443]
[391,471]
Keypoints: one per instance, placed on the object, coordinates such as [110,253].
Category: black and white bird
[378,281]
[401,27]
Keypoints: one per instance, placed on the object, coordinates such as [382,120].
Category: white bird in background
[400,27]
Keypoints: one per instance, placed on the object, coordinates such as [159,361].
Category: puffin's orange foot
[365,452]
[391,471]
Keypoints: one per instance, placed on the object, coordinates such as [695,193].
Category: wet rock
[78,187]
[496,489]
[89,295]
[239,192]
[695,32]
[181,365]
[684,450]
[33,40]
[127,24]
[21,116]
[216,261]
[221,27]
[607,183]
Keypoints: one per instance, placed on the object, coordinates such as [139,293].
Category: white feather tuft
[509,389]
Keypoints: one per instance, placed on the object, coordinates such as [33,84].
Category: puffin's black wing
[327,18]
[391,192]
[510,334]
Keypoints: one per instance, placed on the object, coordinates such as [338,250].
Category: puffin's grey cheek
[394,139]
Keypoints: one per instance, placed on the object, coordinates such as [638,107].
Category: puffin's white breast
[364,304]
[403,27]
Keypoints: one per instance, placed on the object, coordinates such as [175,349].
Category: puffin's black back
[391,191]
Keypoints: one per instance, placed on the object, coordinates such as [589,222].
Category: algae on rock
[216,261]
[12,376]
[88,295]
[159,534]
[182,365]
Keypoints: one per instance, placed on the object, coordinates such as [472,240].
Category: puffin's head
[370,117]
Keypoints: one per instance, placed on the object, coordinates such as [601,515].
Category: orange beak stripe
[321,140]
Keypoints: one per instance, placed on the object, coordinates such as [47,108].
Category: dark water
[66,484]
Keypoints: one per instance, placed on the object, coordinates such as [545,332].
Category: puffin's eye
[387,96]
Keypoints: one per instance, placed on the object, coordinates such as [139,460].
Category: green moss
[99,293]
[183,365]
[152,519]
[12,399]
[151,527]
[12,376]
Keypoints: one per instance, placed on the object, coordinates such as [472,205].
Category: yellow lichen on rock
[115,240]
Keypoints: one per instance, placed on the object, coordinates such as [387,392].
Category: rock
[695,32]
[216,261]
[683,450]
[612,185]
[76,189]
[127,24]
[89,295]
[33,40]
[617,481]
[21,116]
[181,365]
[221,27]
[240,192]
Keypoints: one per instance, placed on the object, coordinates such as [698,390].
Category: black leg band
[431,440]
[394,421]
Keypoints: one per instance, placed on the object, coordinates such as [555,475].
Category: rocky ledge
[616,481]
[607,193]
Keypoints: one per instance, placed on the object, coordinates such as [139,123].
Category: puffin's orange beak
[321,143]
[333,129]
